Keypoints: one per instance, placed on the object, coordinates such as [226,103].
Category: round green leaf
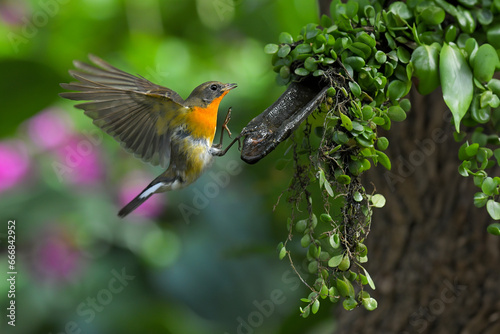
[432,15]
[369,303]
[303,48]
[382,143]
[349,304]
[480,199]
[489,186]
[494,85]
[380,57]
[285,38]
[494,229]
[396,114]
[355,62]
[310,64]
[485,62]
[285,72]
[378,200]
[271,49]
[396,90]
[345,263]
[493,209]
[301,225]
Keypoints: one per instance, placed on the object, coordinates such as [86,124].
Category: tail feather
[145,194]
[133,204]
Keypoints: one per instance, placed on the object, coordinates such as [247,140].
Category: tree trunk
[436,268]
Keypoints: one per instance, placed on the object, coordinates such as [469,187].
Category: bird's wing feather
[135,111]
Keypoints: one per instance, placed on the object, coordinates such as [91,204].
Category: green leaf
[285,38]
[378,200]
[355,89]
[369,303]
[349,304]
[480,199]
[493,209]
[425,65]
[301,71]
[489,186]
[494,229]
[346,122]
[489,99]
[384,160]
[396,90]
[310,64]
[396,114]
[471,150]
[345,263]
[456,81]
[496,153]
[369,279]
[493,35]
[271,49]
[325,218]
[315,307]
[432,15]
[335,260]
[485,62]
[328,189]
[380,57]
[305,241]
[335,241]
[382,143]
[282,253]
[301,225]
[284,50]
[303,48]
[355,62]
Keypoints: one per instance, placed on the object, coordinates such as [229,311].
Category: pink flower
[56,257]
[134,183]
[14,163]
[49,128]
[79,162]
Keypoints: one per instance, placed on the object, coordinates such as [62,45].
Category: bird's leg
[224,127]
[217,149]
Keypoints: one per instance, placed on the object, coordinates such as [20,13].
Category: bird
[151,121]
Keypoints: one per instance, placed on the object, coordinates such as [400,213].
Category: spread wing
[133,110]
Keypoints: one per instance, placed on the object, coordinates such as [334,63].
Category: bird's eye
[213,87]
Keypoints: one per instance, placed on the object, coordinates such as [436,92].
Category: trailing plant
[368,56]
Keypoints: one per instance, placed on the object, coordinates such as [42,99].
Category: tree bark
[436,268]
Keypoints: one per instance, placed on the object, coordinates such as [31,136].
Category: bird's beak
[230,86]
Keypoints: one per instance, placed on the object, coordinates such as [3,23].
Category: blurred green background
[80,268]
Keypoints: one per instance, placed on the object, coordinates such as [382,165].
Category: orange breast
[202,121]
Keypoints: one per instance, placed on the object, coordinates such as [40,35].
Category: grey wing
[133,110]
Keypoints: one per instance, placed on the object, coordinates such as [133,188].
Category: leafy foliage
[368,56]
